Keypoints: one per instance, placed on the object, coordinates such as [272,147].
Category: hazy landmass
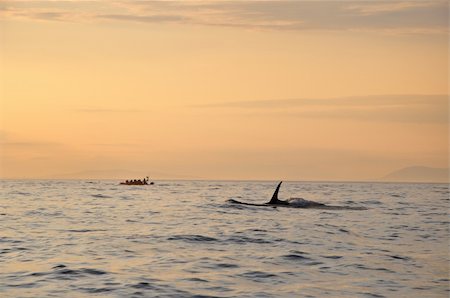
[119,174]
[408,174]
[418,174]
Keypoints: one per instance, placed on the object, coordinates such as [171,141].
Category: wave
[192,238]
[101,196]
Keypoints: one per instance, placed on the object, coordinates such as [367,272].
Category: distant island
[118,174]
[418,174]
[407,174]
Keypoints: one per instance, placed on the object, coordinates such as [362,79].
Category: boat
[145,181]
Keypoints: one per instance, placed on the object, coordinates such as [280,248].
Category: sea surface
[184,239]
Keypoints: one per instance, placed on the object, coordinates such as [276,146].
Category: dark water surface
[183,239]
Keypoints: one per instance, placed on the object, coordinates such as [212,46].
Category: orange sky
[223,90]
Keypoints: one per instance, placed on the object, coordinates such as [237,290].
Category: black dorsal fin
[274,199]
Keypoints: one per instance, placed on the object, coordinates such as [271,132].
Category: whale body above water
[295,203]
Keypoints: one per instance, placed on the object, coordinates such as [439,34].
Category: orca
[295,203]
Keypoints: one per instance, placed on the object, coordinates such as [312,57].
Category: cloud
[29,145]
[9,140]
[54,16]
[144,18]
[391,17]
[106,111]
[382,108]
[119,145]
[367,9]
[3,135]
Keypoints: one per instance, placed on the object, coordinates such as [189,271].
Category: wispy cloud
[54,16]
[382,108]
[3,135]
[144,18]
[119,145]
[106,111]
[393,17]
[383,7]
[29,145]
[11,141]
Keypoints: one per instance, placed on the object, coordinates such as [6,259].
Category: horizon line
[236,180]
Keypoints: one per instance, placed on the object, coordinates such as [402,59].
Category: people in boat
[144,181]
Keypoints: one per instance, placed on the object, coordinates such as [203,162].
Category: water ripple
[192,238]
[182,239]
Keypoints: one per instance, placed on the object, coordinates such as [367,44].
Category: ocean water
[184,239]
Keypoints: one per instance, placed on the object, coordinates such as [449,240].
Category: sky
[292,90]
